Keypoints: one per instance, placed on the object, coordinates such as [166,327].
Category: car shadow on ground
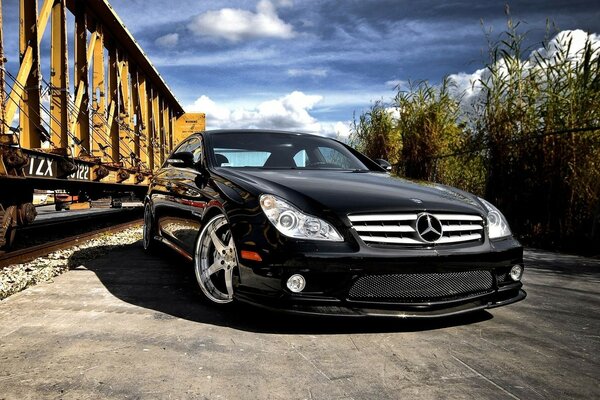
[167,285]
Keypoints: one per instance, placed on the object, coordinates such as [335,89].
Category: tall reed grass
[528,140]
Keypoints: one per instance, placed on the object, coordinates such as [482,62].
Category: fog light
[296,283]
[516,272]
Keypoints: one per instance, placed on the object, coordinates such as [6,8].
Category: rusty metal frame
[109,101]
[107,136]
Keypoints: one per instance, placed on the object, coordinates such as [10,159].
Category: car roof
[251,131]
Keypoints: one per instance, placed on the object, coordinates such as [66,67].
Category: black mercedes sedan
[306,224]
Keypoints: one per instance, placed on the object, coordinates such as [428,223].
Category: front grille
[503,277]
[401,229]
[418,288]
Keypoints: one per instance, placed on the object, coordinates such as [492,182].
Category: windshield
[280,150]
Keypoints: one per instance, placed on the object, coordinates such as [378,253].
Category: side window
[197,152]
[192,145]
[334,157]
[300,158]
[187,145]
[240,157]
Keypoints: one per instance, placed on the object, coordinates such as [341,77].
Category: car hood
[347,192]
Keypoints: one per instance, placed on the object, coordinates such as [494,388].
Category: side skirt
[173,246]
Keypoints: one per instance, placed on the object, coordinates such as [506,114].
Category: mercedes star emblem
[429,228]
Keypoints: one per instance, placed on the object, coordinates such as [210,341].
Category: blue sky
[309,65]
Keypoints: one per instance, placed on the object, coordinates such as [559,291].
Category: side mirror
[384,164]
[183,159]
[201,179]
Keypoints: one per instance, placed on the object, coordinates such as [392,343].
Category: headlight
[497,225]
[294,223]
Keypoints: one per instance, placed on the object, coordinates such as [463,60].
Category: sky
[311,65]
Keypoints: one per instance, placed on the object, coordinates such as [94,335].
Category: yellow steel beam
[82,54]
[92,46]
[59,121]
[29,117]
[110,120]
[135,111]
[134,87]
[3,121]
[113,25]
[113,95]
[126,128]
[171,130]
[28,12]
[42,20]
[166,129]
[151,127]
[156,128]
[161,129]
[144,121]
[101,138]
[79,112]
[17,92]
[81,125]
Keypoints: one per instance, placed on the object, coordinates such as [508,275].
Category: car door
[183,203]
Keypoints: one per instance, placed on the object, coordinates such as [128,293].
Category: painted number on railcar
[42,167]
[82,173]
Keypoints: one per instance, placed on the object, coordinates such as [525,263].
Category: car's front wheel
[215,260]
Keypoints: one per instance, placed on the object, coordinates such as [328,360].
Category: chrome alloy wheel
[215,259]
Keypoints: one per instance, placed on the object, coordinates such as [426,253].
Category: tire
[150,244]
[9,239]
[215,261]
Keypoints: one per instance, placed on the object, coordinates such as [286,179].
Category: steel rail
[33,252]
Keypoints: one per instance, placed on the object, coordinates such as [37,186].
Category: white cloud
[242,57]
[315,72]
[168,40]
[234,24]
[469,86]
[341,130]
[572,42]
[290,112]
[397,83]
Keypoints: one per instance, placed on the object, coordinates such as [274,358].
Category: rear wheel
[148,240]
[215,259]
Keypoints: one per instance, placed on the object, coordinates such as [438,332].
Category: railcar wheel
[215,259]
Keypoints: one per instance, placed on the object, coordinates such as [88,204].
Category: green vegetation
[375,134]
[527,137]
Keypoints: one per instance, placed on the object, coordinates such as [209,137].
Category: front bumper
[330,277]
[422,311]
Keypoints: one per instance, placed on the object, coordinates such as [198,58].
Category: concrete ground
[127,325]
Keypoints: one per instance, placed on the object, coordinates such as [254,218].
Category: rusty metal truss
[121,112]
[116,125]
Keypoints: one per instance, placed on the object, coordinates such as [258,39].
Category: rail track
[33,251]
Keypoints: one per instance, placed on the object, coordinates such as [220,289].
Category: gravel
[15,278]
